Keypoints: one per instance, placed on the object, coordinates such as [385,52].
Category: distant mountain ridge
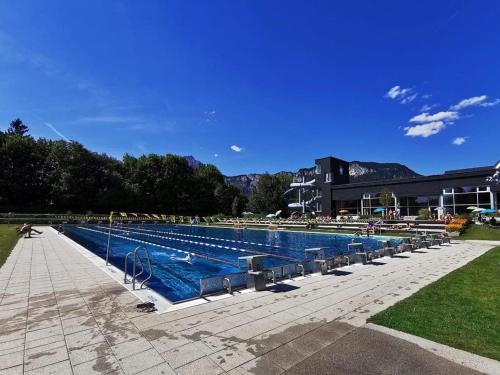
[359,171]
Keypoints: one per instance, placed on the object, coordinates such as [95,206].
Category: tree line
[41,175]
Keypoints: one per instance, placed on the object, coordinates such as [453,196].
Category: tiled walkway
[60,314]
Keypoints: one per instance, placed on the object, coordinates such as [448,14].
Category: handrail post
[109,237]
[133,271]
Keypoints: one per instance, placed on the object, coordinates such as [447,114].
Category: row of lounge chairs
[331,224]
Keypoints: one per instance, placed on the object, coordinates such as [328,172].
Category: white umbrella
[271,215]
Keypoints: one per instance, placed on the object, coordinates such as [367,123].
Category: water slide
[302,186]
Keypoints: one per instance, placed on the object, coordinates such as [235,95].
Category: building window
[457,199]
[354,206]
[371,201]
[319,193]
[318,168]
[409,206]
[328,177]
[341,170]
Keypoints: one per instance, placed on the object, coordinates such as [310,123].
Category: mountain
[359,171]
[193,163]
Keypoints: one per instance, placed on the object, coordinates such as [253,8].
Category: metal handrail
[135,275]
[228,280]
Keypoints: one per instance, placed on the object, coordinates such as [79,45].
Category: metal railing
[137,258]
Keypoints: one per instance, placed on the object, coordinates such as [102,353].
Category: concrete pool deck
[60,313]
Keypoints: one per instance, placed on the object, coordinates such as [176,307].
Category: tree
[385,198]
[58,176]
[17,127]
[267,194]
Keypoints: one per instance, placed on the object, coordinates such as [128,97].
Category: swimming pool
[214,251]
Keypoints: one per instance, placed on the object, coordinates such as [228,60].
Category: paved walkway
[59,313]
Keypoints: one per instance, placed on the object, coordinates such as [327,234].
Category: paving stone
[16,370]
[260,366]
[45,355]
[203,365]
[11,359]
[101,365]
[84,338]
[161,369]
[89,352]
[185,354]
[130,347]
[59,368]
[231,357]
[141,361]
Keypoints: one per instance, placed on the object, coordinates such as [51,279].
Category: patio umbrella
[477,210]
[377,210]
[472,208]
[344,211]
[488,211]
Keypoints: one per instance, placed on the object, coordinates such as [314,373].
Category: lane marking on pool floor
[213,238]
[203,256]
[206,244]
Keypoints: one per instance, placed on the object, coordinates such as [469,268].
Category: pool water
[213,251]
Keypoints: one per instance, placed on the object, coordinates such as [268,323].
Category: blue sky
[254,86]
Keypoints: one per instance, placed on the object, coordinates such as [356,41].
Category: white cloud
[427,107]
[396,92]
[236,148]
[439,116]
[52,127]
[469,102]
[403,95]
[425,130]
[408,99]
[459,141]
[490,104]
[216,155]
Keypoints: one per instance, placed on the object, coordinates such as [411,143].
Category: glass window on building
[319,193]
[371,201]
[318,168]
[328,177]
[353,206]
[457,199]
[409,206]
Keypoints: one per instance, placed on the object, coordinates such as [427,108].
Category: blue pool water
[214,251]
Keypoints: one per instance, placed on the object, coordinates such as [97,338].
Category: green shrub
[423,214]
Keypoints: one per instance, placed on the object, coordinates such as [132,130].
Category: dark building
[451,192]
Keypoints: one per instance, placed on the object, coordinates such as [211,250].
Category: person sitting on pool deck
[27,229]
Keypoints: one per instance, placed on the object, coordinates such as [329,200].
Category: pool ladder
[137,258]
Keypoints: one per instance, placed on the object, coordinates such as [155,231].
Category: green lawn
[8,238]
[461,310]
[480,232]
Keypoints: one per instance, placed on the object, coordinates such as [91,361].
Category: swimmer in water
[188,259]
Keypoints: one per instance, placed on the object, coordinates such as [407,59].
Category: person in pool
[188,259]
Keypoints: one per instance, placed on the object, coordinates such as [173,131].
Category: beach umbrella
[377,210]
[488,211]
[344,211]
[477,210]
[271,215]
[472,208]
[278,213]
